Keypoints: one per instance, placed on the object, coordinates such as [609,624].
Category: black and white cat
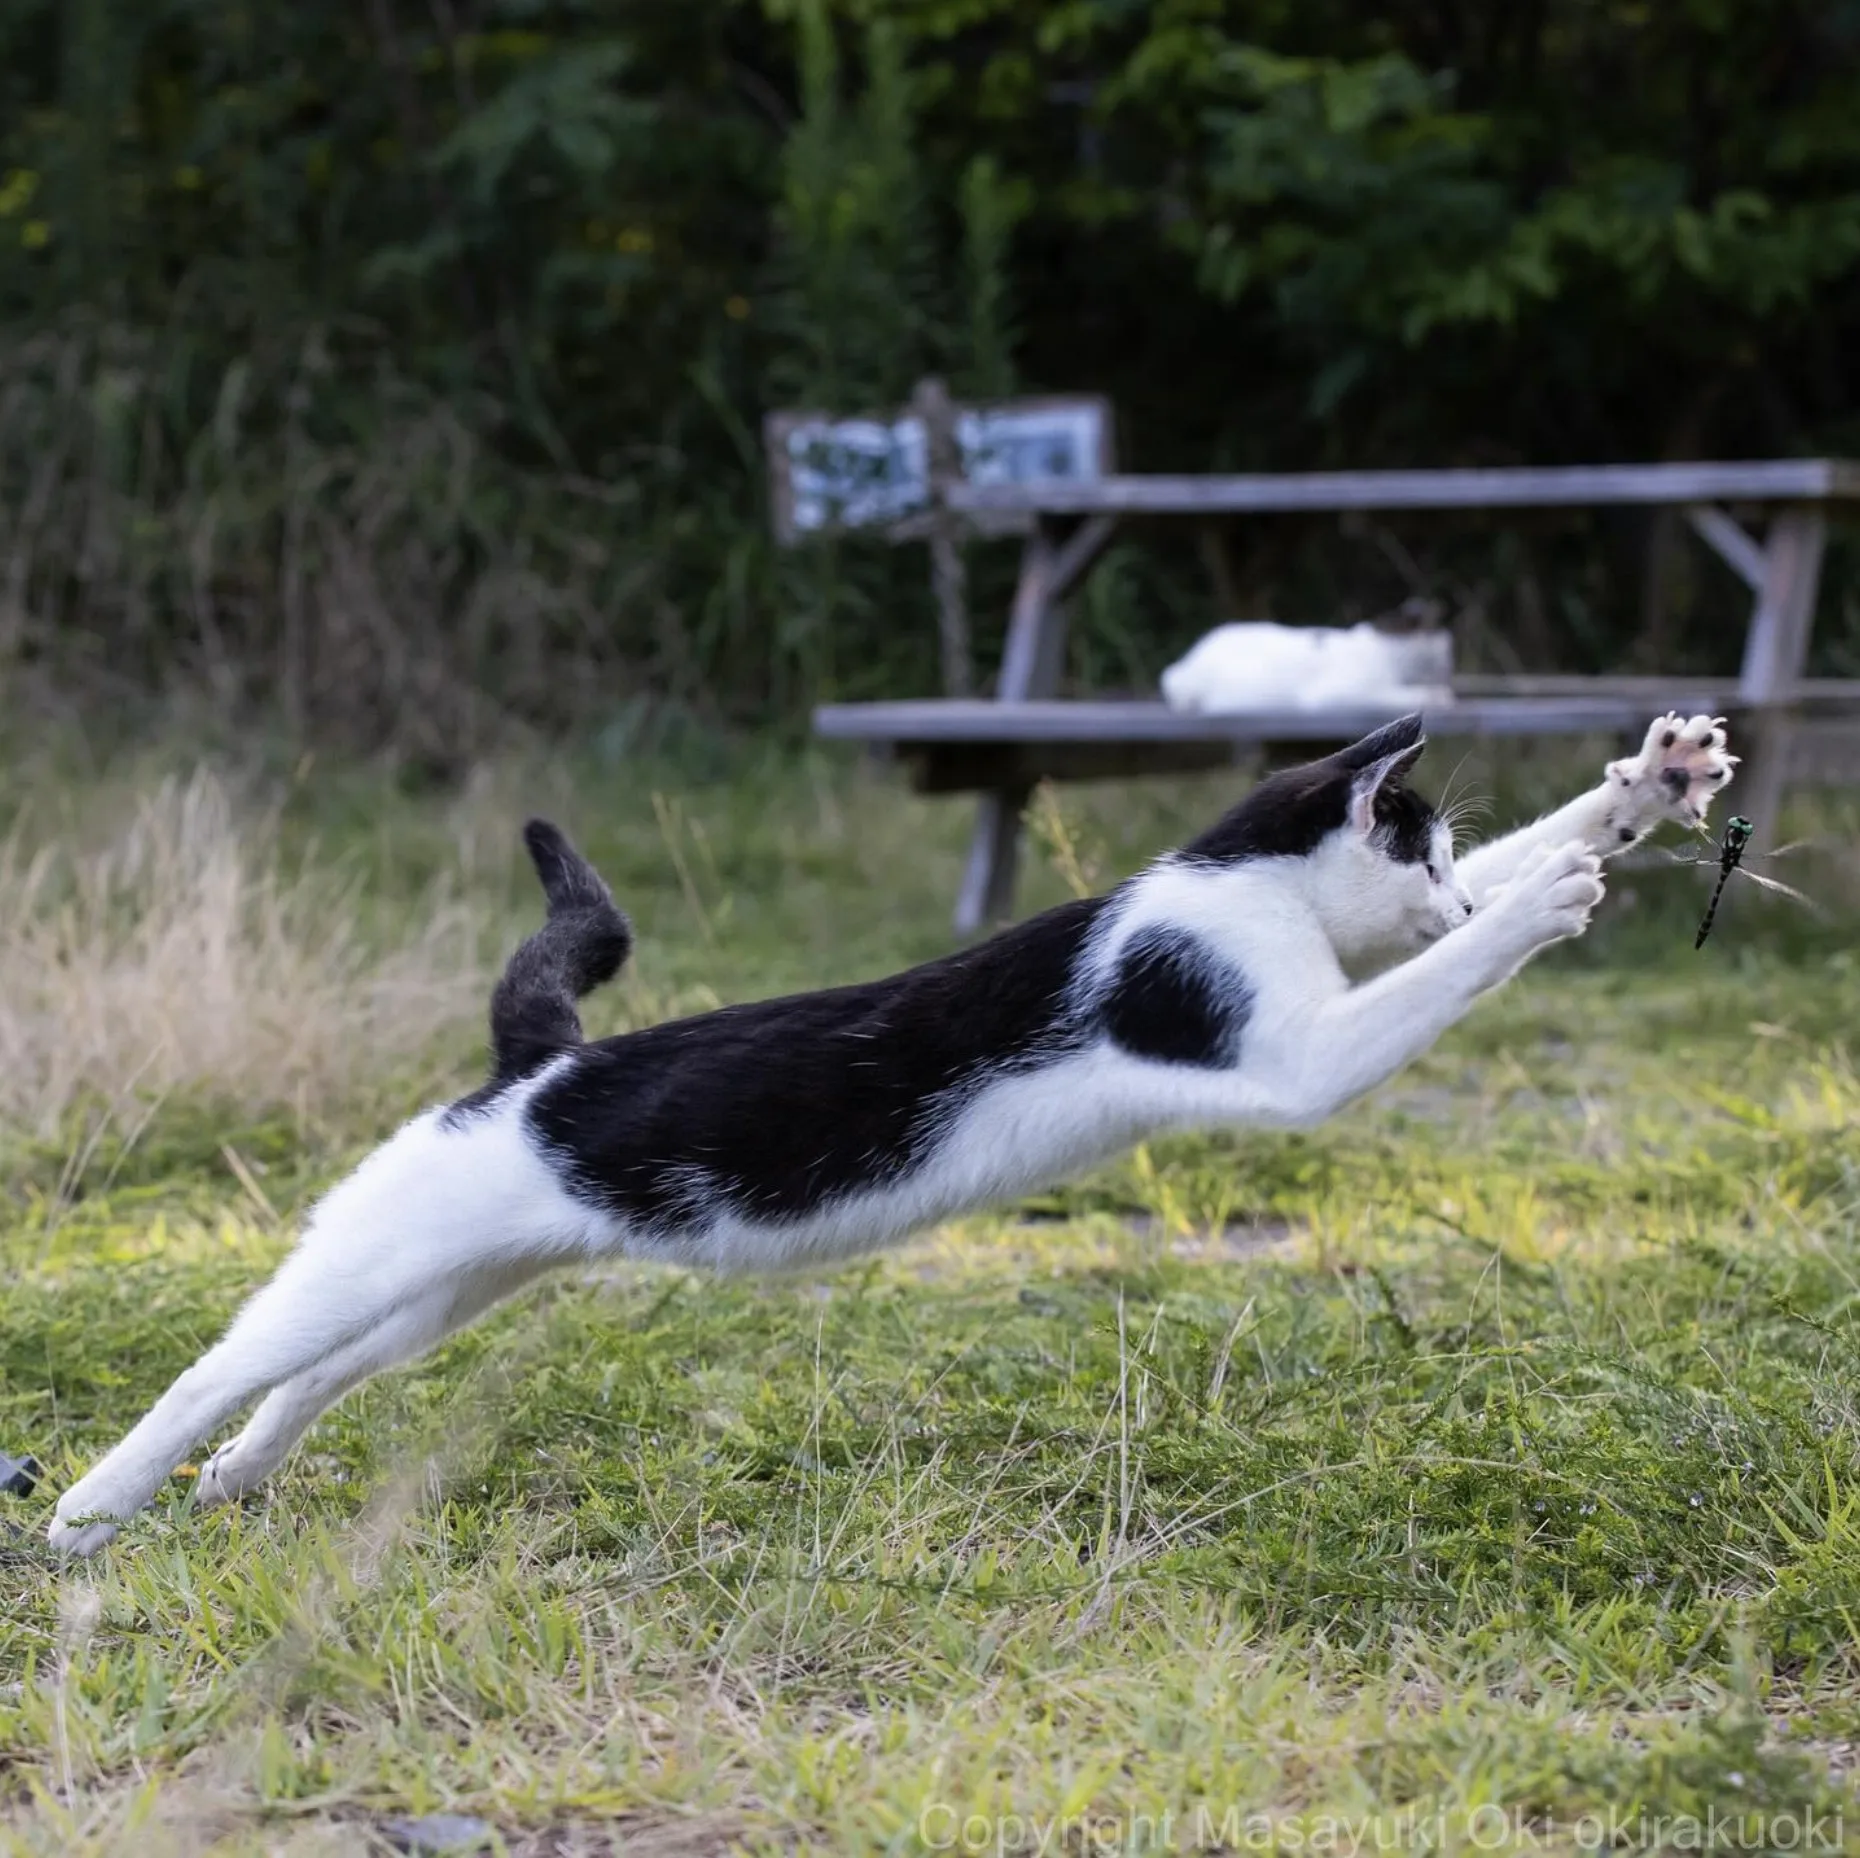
[1214,988]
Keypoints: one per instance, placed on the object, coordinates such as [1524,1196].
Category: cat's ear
[1380,761]
[1404,733]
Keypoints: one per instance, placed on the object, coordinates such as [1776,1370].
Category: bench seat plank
[944,720]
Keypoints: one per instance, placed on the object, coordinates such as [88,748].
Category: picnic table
[1026,733]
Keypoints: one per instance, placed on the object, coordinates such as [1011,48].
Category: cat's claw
[1681,765]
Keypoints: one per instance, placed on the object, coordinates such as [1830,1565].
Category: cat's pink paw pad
[1681,765]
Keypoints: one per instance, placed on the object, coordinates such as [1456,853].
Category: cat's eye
[1433,876]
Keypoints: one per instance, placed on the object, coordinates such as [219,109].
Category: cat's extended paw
[1549,900]
[1680,766]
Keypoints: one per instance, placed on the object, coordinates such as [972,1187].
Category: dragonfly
[1729,856]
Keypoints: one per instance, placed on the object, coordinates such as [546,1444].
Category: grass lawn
[1478,1473]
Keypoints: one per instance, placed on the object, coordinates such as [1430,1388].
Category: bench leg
[1776,655]
[987,894]
[1759,795]
[1030,667]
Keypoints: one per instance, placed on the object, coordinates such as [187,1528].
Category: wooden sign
[877,471]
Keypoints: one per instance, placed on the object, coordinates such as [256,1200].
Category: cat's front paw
[1681,765]
[1550,900]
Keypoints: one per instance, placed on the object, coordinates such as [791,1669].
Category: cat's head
[1373,858]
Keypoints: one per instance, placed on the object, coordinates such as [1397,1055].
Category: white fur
[452,1215]
[1262,665]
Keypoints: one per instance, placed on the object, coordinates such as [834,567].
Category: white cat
[1261,665]
[1213,988]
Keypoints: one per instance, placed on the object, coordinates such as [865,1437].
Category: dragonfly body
[1730,862]
[1731,848]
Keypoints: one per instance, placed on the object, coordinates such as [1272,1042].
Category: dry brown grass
[169,946]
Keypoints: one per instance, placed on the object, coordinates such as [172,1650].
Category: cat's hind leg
[290,1327]
[283,1416]
[289,1410]
[303,1341]
[432,1227]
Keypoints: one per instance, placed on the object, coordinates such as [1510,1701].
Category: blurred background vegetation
[396,367]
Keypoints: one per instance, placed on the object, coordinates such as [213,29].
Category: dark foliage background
[400,363]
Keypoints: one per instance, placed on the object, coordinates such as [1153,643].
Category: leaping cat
[1304,948]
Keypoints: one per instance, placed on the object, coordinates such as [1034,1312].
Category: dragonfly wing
[1782,890]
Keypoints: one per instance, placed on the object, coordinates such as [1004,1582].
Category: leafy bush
[407,365]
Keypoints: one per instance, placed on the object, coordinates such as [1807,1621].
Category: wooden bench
[1001,748]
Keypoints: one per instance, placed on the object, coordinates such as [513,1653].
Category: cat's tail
[583,942]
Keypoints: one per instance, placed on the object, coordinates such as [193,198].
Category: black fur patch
[1290,814]
[787,1105]
[1404,824]
[1165,1004]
